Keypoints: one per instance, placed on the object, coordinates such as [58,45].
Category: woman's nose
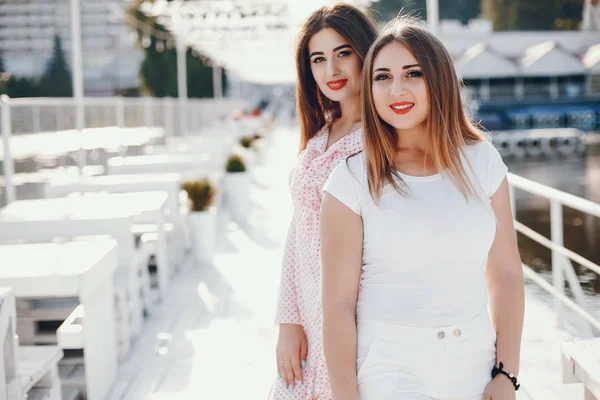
[397,88]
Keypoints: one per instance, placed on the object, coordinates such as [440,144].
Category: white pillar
[77,68]
[7,163]
[217,77]
[433,16]
[182,87]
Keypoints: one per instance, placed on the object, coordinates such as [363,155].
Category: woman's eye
[317,60]
[414,74]
[380,77]
[344,53]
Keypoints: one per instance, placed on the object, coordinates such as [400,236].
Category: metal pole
[433,16]
[77,68]
[7,163]
[182,86]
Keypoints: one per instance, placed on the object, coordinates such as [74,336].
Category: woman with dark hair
[331,48]
[423,294]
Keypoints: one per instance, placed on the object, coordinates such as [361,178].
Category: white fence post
[558,277]
[7,162]
[36,119]
[148,112]
[169,121]
[120,115]
[120,111]
[60,118]
[513,201]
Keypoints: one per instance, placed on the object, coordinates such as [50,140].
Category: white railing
[562,267]
[20,118]
[177,117]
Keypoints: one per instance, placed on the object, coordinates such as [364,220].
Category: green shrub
[235,163]
[246,142]
[201,194]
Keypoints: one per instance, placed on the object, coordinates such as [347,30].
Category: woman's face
[398,87]
[334,64]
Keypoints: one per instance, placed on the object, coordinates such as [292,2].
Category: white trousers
[396,362]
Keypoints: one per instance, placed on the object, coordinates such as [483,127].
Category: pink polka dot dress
[299,298]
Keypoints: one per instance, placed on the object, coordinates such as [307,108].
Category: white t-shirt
[424,255]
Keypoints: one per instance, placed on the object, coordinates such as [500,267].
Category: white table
[82,269]
[581,363]
[138,208]
[171,183]
[188,165]
[62,142]
[42,220]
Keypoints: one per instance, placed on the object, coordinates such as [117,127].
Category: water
[580,176]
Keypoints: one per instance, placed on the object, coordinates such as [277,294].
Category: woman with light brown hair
[422,284]
[331,48]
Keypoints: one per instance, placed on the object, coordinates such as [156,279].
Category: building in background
[527,79]
[111,60]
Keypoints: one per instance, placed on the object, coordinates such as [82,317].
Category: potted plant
[259,145]
[202,217]
[247,149]
[236,185]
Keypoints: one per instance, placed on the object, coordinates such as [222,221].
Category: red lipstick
[402,107]
[337,85]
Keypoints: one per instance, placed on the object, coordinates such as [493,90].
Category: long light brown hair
[449,129]
[314,109]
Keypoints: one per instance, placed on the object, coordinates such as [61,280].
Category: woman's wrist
[498,372]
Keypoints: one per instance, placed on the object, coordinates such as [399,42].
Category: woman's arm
[341,259]
[504,276]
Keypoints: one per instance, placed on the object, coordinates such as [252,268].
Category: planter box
[236,188]
[204,234]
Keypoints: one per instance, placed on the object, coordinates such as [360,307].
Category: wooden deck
[213,337]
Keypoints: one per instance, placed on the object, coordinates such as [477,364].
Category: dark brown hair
[313,108]
[449,128]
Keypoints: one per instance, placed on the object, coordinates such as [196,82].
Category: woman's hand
[292,349]
[500,388]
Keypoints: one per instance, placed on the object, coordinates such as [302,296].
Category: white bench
[130,290]
[82,269]
[38,372]
[581,364]
[9,382]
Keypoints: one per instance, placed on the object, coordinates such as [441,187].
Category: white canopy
[549,59]
[479,61]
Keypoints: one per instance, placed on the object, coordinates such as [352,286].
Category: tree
[2,68]
[56,81]
[158,72]
[21,87]
[462,10]
[533,15]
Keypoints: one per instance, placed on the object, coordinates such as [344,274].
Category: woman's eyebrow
[320,53]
